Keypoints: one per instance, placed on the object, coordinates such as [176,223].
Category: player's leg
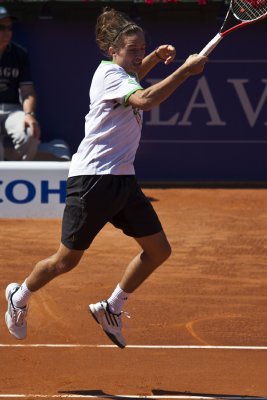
[155,250]
[18,296]
[64,260]
[85,213]
[138,220]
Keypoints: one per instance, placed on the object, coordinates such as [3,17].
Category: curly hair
[111,27]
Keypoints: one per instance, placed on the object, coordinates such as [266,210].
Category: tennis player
[101,185]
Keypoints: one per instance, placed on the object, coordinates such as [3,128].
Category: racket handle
[211,45]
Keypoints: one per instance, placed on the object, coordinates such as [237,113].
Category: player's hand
[166,53]
[195,63]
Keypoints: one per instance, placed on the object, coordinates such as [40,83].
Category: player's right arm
[152,96]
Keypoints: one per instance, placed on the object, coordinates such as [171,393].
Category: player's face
[5,31]
[130,55]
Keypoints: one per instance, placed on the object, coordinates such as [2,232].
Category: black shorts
[94,200]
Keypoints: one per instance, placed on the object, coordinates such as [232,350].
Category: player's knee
[166,251]
[63,266]
[66,266]
[161,253]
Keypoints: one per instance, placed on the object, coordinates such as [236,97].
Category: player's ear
[111,51]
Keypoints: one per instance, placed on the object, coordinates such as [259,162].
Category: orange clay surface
[211,292]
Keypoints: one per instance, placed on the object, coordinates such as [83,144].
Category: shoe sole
[13,333]
[7,291]
[111,337]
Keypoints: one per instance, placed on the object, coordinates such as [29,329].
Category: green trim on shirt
[126,98]
[130,81]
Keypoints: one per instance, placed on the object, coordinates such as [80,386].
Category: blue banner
[213,128]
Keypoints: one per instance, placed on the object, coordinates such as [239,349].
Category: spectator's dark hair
[111,27]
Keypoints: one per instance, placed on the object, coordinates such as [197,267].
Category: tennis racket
[240,13]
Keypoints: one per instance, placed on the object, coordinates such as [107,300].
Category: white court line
[108,346]
[121,396]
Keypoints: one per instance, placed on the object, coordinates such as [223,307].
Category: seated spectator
[19,129]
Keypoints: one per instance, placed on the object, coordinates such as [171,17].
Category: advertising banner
[213,128]
[32,189]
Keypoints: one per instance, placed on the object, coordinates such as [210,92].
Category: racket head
[249,10]
[240,13]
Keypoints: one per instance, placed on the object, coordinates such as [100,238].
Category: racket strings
[249,10]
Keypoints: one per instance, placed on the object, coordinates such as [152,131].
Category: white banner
[32,189]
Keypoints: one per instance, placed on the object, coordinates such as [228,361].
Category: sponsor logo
[22,191]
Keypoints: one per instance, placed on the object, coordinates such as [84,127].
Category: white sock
[117,300]
[22,296]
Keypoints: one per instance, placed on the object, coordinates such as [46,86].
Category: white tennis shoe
[110,322]
[15,316]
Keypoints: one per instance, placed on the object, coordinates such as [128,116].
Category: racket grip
[211,45]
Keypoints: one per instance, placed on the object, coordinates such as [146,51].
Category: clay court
[197,327]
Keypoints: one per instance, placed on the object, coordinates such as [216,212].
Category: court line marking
[121,396]
[108,346]
[118,397]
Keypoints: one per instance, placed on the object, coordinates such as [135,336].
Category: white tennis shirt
[112,129]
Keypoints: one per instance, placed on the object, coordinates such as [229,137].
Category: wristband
[158,56]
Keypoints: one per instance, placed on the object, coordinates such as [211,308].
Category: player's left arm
[165,53]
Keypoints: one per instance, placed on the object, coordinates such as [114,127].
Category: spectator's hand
[166,53]
[31,121]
